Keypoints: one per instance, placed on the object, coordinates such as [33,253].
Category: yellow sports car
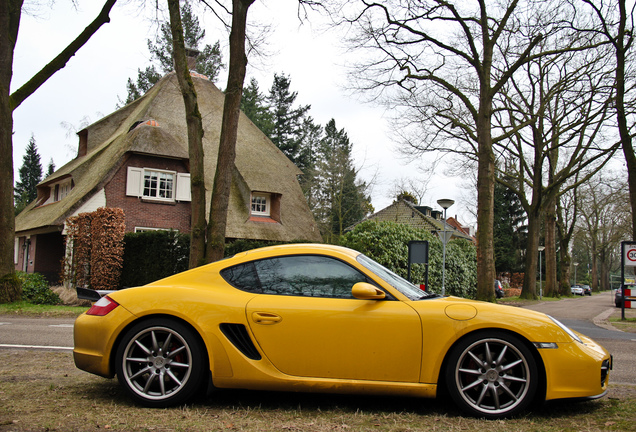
[319,318]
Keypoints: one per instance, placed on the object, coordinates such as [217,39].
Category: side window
[308,276]
[243,277]
[302,275]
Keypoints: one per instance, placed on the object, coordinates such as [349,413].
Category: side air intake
[237,334]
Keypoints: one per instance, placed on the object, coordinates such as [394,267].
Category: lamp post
[445,204]
[541,249]
[575,266]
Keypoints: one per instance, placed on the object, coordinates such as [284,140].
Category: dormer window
[56,191]
[265,207]
[261,204]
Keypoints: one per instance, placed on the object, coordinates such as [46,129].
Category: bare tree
[615,22]
[434,62]
[555,113]
[10,13]
[604,223]
[195,137]
[229,132]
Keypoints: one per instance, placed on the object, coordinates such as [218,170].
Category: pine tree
[254,106]
[209,62]
[341,197]
[510,231]
[287,121]
[25,190]
[51,168]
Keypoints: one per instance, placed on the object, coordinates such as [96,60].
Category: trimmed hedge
[153,255]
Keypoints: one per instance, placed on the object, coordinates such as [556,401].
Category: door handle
[266,318]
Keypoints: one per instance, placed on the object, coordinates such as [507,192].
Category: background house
[421,217]
[137,159]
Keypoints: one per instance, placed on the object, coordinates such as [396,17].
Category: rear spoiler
[91,294]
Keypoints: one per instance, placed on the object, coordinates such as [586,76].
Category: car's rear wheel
[160,362]
[492,375]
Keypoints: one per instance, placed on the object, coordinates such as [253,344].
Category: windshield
[396,281]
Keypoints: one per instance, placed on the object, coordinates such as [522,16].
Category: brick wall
[144,213]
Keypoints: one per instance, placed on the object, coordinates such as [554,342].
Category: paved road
[587,315]
[54,333]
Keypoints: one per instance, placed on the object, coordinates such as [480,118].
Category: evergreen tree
[254,106]
[510,231]
[341,198]
[25,190]
[51,168]
[287,131]
[209,62]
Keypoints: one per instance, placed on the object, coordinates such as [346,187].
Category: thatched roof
[259,166]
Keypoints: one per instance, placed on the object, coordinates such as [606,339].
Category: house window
[147,229]
[261,204]
[158,185]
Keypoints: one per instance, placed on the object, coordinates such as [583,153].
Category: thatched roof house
[137,159]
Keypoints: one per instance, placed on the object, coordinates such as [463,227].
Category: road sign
[630,254]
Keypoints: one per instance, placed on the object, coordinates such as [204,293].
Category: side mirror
[366,291]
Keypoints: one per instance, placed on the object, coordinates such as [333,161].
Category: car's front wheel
[492,375]
[160,362]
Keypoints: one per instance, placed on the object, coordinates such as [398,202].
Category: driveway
[588,315]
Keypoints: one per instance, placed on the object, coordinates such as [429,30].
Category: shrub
[153,255]
[36,290]
[387,243]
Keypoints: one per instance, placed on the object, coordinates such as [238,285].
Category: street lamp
[575,266]
[445,204]
[541,249]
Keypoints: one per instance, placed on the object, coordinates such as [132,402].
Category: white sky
[89,86]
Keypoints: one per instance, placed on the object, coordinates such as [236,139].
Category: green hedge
[387,243]
[153,255]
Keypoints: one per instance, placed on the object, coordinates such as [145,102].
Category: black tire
[492,375]
[161,362]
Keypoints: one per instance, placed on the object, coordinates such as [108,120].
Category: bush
[154,255]
[387,243]
[36,290]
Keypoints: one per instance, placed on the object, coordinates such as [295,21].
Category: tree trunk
[229,132]
[594,274]
[9,23]
[485,201]
[551,288]
[626,139]
[529,290]
[195,138]
[10,12]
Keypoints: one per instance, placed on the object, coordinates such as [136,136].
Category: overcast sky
[89,86]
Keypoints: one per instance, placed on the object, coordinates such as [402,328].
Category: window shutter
[183,187]
[134,181]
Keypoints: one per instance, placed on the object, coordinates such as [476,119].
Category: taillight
[102,307]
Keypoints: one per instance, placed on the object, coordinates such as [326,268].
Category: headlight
[566,329]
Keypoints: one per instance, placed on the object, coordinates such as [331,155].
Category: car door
[308,324]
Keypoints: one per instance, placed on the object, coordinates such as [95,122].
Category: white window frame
[261,204]
[135,183]
[157,188]
[146,229]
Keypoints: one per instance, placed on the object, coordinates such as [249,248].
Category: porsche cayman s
[319,318]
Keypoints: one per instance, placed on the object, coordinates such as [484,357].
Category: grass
[46,392]
[27,309]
